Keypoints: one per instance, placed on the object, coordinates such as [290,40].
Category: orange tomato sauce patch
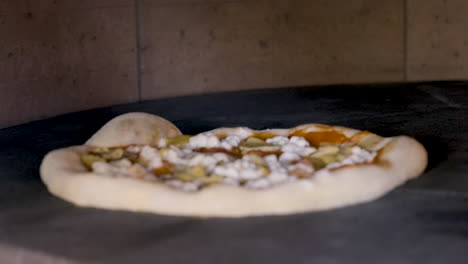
[263,135]
[325,136]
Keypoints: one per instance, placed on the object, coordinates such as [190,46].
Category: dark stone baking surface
[424,221]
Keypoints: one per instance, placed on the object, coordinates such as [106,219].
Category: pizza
[142,162]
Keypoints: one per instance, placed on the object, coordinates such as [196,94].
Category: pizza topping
[231,141]
[326,150]
[264,135]
[101,154]
[192,173]
[253,161]
[89,159]
[256,144]
[240,169]
[133,149]
[316,138]
[98,150]
[209,140]
[241,132]
[150,157]
[368,140]
[178,140]
[262,153]
[165,169]
[288,157]
[118,168]
[113,154]
[294,145]
[357,156]
[301,169]
[123,163]
[279,140]
[234,152]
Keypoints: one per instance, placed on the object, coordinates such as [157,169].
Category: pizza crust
[133,128]
[403,158]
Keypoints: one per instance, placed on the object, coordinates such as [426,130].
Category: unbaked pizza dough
[395,160]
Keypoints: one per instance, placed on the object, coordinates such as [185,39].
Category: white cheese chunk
[233,140]
[299,141]
[301,166]
[162,143]
[242,132]
[134,149]
[209,161]
[102,167]
[296,145]
[293,148]
[171,155]
[209,140]
[115,169]
[123,163]
[279,140]
[230,142]
[204,140]
[287,157]
[239,170]
[151,157]
[274,165]
[278,172]
[358,155]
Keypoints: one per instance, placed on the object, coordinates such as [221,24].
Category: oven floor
[424,221]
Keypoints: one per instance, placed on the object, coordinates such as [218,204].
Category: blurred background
[60,56]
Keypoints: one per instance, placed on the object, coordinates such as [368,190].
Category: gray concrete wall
[59,56]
